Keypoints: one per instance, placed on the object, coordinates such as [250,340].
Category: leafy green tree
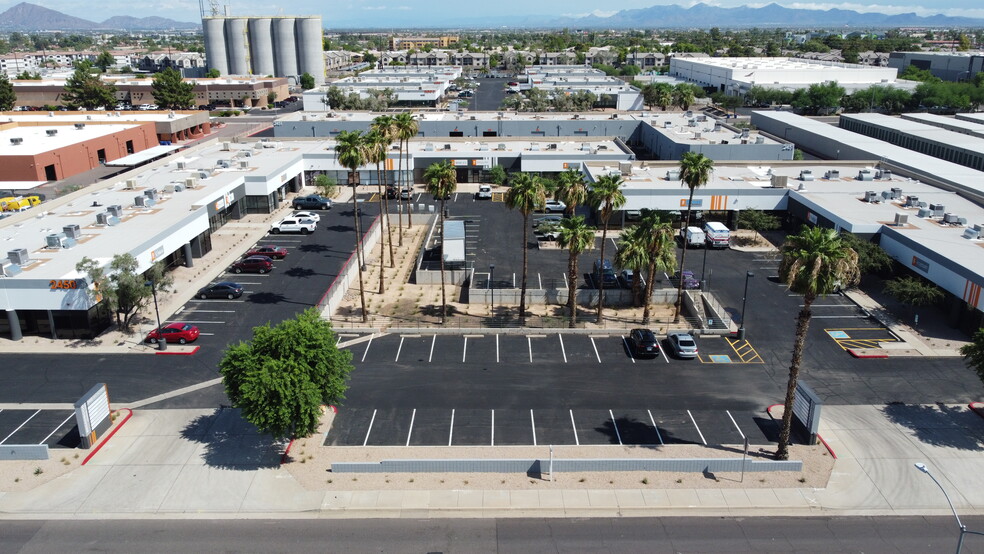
[442,181]
[973,353]
[104,60]
[661,252]
[497,174]
[695,172]
[350,148]
[819,98]
[307,81]
[814,262]
[85,90]
[7,96]
[171,92]
[683,95]
[213,73]
[326,186]
[871,257]
[527,195]
[757,220]
[913,73]
[576,237]
[28,76]
[282,377]
[375,149]
[913,291]
[605,197]
[123,290]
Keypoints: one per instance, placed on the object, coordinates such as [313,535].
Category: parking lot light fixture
[963,528]
[161,342]
[744,298]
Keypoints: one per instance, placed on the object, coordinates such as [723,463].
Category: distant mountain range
[27,17]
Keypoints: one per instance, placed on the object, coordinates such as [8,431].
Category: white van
[692,237]
[718,236]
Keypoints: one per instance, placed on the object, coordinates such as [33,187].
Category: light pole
[161,342]
[492,287]
[703,269]
[741,330]
[963,528]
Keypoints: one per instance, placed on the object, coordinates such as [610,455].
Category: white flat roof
[36,139]
[92,116]
[921,130]
[966,127]
[144,155]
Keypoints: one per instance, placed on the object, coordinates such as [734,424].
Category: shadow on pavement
[233,443]
[939,425]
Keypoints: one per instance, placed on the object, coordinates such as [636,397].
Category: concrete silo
[215,45]
[310,58]
[236,45]
[284,47]
[261,46]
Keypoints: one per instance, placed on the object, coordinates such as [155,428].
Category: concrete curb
[182,353]
[823,442]
[109,436]
[862,353]
[977,408]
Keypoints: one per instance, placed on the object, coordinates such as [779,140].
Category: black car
[312,202]
[643,343]
[224,289]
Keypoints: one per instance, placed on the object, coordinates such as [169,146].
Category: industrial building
[281,46]
[411,86]
[949,66]
[949,123]
[937,142]
[736,76]
[611,92]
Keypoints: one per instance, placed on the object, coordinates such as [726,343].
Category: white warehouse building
[281,46]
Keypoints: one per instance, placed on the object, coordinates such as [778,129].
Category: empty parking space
[472,428]
[596,427]
[635,427]
[430,427]
[716,427]
[554,427]
[355,423]
[580,349]
[56,428]
[412,349]
[390,427]
[514,349]
[676,427]
[860,337]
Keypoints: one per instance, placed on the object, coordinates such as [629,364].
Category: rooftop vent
[924,213]
[832,174]
[72,231]
[972,234]
[19,256]
[115,210]
[79,126]
[806,175]
[16,140]
[51,132]
[870,196]
[901,219]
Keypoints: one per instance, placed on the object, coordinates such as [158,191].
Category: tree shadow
[315,248]
[265,298]
[939,424]
[233,443]
[339,228]
[301,272]
[629,431]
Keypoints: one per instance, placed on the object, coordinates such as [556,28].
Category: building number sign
[63,284]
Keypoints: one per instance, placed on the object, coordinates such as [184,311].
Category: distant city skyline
[438,13]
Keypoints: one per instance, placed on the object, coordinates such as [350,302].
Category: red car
[270,251]
[259,264]
[175,332]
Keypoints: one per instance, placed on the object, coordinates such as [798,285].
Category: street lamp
[492,287]
[703,269]
[963,528]
[741,330]
[161,342]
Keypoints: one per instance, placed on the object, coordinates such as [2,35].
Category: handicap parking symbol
[838,335]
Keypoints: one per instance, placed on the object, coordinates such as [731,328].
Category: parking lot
[56,428]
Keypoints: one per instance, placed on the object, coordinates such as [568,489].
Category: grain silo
[236,45]
[310,46]
[285,46]
[279,46]
[261,45]
[215,44]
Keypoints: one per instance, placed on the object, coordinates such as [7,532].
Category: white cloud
[596,13]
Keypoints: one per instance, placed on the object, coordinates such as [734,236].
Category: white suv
[294,225]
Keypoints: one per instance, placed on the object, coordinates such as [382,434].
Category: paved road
[525,535]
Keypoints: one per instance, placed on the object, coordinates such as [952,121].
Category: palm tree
[683,95]
[351,151]
[814,262]
[384,124]
[662,252]
[633,253]
[572,190]
[695,171]
[375,150]
[406,128]
[576,237]
[526,194]
[664,95]
[442,180]
[605,197]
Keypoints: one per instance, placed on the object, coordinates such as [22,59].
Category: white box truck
[692,237]
[718,236]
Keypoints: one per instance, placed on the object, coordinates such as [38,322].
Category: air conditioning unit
[58,240]
[865,175]
[625,168]
[72,231]
[182,165]
[806,175]
[79,126]
[870,196]
[779,181]
[937,209]
[226,146]
[243,164]
[131,184]
[672,175]
[447,147]
[886,195]
[501,147]
[744,133]
[901,219]
[717,127]
[143,201]
[51,132]
[190,182]
[950,218]
[885,174]
[972,234]
[14,141]
[896,192]
[224,164]
[174,187]
[202,175]
[667,124]
[832,174]
[429,147]
[19,256]
[115,210]
[912,201]
[692,123]
[759,140]
[151,194]
[8,268]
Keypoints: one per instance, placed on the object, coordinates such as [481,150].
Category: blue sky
[412,13]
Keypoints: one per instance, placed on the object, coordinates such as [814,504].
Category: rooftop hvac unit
[182,165]
[202,175]
[744,133]
[447,147]
[901,219]
[865,175]
[58,240]
[701,117]
[950,218]
[912,201]
[483,147]
[759,140]
[886,195]
[534,147]
[696,135]
[625,168]
[226,146]
[972,234]
[870,196]
[224,164]
[244,154]
[979,227]
[885,174]
[16,140]
[472,118]
[673,175]
[115,210]
[190,182]
[552,146]
[922,204]
[243,164]
[395,147]
[72,231]
[667,124]
[937,209]
[151,193]
[501,146]
[717,127]
[51,132]
[79,126]
[779,181]
[896,192]
[832,174]
[806,175]
[131,184]
[8,268]
[143,201]
[689,113]
[429,147]
[19,256]
[585,147]
[692,123]
[105,218]
[174,187]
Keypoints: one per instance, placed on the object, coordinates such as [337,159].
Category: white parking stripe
[573,426]
[562,349]
[539,280]
[493,427]
[19,426]
[529,343]
[413,416]
[70,416]
[735,424]
[464,351]
[697,427]
[398,350]
[664,354]
[451,430]
[431,356]
[497,348]
[615,426]
[653,421]
[629,350]
[367,349]
[369,430]
[595,349]
[567,283]
[533,426]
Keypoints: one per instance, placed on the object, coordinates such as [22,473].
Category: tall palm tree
[384,124]
[814,262]
[605,197]
[572,190]
[633,253]
[526,194]
[375,150]
[442,180]
[351,151]
[683,95]
[576,237]
[662,252]
[695,171]
[407,127]
[664,95]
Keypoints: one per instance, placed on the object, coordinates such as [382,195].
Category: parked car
[554,206]
[626,276]
[547,231]
[608,278]
[311,202]
[174,332]
[294,225]
[683,345]
[223,289]
[484,192]
[643,343]
[547,219]
[392,192]
[307,215]
[406,193]
[269,250]
[253,264]
[689,281]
